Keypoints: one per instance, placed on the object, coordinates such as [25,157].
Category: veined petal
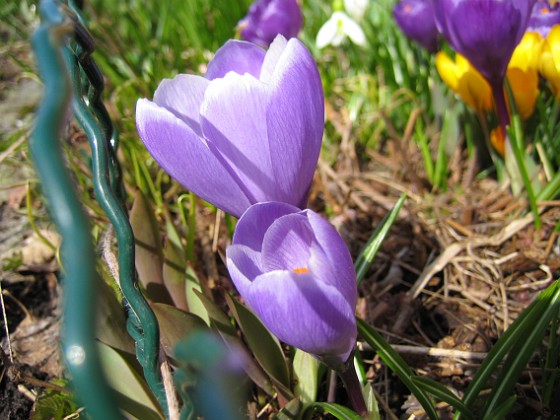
[182,97]
[273,54]
[244,265]
[254,223]
[342,275]
[185,156]
[304,313]
[295,122]
[233,119]
[287,244]
[238,56]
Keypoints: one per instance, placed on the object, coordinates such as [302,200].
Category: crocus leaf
[110,320]
[290,411]
[442,393]
[149,258]
[195,298]
[174,276]
[262,343]
[371,402]
[396,363]
[175,325]
[337,410]
[132,392]
[364,260]
[522,351]
[519,331]
[219,320]
[306,373]
[223,325]
[501,410]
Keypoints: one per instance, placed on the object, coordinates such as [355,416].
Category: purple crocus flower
[294,270]
[484,31]
[544,17]
[268,18]
[249,131]
[416,20]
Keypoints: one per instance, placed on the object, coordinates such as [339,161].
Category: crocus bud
[294,270]
[268,18]
[249,131]
[416,19]
[485,31]
[543,17]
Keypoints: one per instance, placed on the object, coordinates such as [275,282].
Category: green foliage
[55,403]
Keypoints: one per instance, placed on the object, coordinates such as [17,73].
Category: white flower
[337,28]
[356,8]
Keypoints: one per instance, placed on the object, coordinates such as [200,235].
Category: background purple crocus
[543,17]
[416,19]
[294,270]
[484,31]
[268,18]
[249,131]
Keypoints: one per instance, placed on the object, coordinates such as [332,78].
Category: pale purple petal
[244,265]
[304,313]
[295,120]
[287,244]
[254,223]
[233,121]
[271,58]
[343,275]
[238,56]
[185,156]
[182,96]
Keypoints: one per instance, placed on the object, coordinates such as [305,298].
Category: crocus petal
[238,56]
[343,275]
[233,117]
[268,18]
[182,97]
[484,31]
[305,313]
[295,121]
[244,265]
[185,156]
[273,54]
[287,244]
[254,223]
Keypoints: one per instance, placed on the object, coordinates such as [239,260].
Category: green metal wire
[83,76]
[77,251]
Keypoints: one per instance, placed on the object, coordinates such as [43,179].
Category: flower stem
[501,107]
[353,387]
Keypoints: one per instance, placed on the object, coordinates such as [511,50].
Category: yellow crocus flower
[549,64]
[522,73]
[465,81]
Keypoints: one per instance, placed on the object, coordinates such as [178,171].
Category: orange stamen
[544,11]
[407,8]
[300,270]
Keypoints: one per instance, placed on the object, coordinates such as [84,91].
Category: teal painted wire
[77,252]
[147,347]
